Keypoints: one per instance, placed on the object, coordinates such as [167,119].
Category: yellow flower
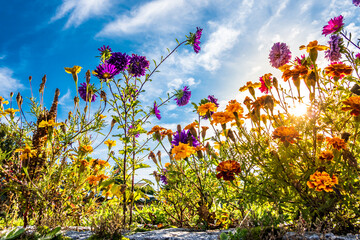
[222,117]
[322,181]
[286,134]
[86,148]
[102,163]
[50,123]
[92,180]
[156,129]
[11,111]
[167,165]
[249,85]
[102,116]
[314,45]
[26,152]
[110,143]
[74,71]
[101,177]
[336,143]
[182,151]
[203,109]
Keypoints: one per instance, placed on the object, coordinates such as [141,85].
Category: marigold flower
[101,177]
[86,148]
[102,163]
[338,70]
[320,137]
[266,82]
[167,132]
[203,109]
[73,70]
[326,156]
[50,123]
[334,25]
[110,143]
[279,55]
[191,125]
[182,151]
[102,116]
[228,169]
[92,180]
[286,134]
[249,85]
[322,181]
[222,117]
[26,152]
[295,73]
[336,143]
[167,165]
[156,129]
[313,46]
[353,105]
[11,111]
[234,107]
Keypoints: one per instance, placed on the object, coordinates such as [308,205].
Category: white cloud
[65,98]
[159,15]
[81,10]
[177,83]
[2,56]
[7,82]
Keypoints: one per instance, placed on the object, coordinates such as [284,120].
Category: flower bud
[275,82]
[153,158]
[193,132]
[231,135]
[103,95]
[159,156]
[88,76]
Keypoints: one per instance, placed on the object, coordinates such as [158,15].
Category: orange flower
[322,181]
[156,129]
[320,137]
[286,134]
[336,143]
[182,151]
[228,169]
[295,73]
[353,105]
[167,132]
[92,180]
[167,165]
[26,152]
[250,85]
[235,108]
[222,117]
[338,70]
[102,162]
[326,156]
[191,125]
[86,148]
[84,163]
[101,177]
[314,45]
[203,109]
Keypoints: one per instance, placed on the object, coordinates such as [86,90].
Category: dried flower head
[336,143]
[353,104]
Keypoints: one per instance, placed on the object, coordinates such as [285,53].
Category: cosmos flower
[227,170]
[279,55]
[353,105]
[84,91]
[183,96]
[138,65]
[338,70]
[286,134]
[336,143]
[333,54]
[334,25]
[119,60]
[356,3]
[156,111]
[322,181]
[194,39]
[184,137]
[182,151]
[105,71]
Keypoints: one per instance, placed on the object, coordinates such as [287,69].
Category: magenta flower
[105,53]
[138,65]
[356,3]
[184,137]
[263,88]
[333,54]
[105,71]
[131,128]
[84,91]
[156,111]
[194,39]
[104,49]
[334,25]
[279,55]
[183,96]
[357,56]
[119,60]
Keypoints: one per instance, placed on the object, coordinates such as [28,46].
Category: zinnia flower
[333,54]
[119,60]
[156,111]
[286,134]
[105,71]
[182,151]
[338,70]
[138,65]
[194,39]
[356,3]
[84,91]
[353,105]
[322,181]
[183,96]
[336,143]
[228,169]
[184,137]
[334,25]
[279,55]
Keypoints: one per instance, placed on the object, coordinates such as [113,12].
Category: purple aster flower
[85,88]
[163,178]
[183,96]
[356,3]
[105,71]
[184,137]
[335,24]
[119,60]
[333,54]
[194,39]
[138,65]
[279,55]
[104,48]
[105,53]
[156,111]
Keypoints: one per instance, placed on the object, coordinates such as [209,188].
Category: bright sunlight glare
[298,109]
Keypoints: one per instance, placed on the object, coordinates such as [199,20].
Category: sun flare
[298,109]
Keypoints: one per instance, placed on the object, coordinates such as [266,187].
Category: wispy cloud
[162,15]
[81,10]
[7,82]
[2,56]
[64,100]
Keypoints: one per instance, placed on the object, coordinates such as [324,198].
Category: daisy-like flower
[110,143]
[265,83]
[26,152]
[333,54]
[138,65]
[167,165]
[286,134]
[11,111]
[322,181]
[334,25]
[183,96]
[356,3]
[182,151]
[205,108]
[336,143]
[50,123]
[326,156]
[338,70]
[105,71]
[227,170]
[249,85]
[353,104]
[313,46]
[156,111]
[184,137]
[74,71]
[120,61]
[85,91]
[279,55]
[234,107]
[194,39]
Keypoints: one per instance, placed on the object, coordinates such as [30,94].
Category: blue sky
[43,37]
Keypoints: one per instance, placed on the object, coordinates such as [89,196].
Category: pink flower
[334,25]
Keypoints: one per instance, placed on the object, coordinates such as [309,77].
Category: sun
[298,109]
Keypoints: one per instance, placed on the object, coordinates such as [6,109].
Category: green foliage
[13,234]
